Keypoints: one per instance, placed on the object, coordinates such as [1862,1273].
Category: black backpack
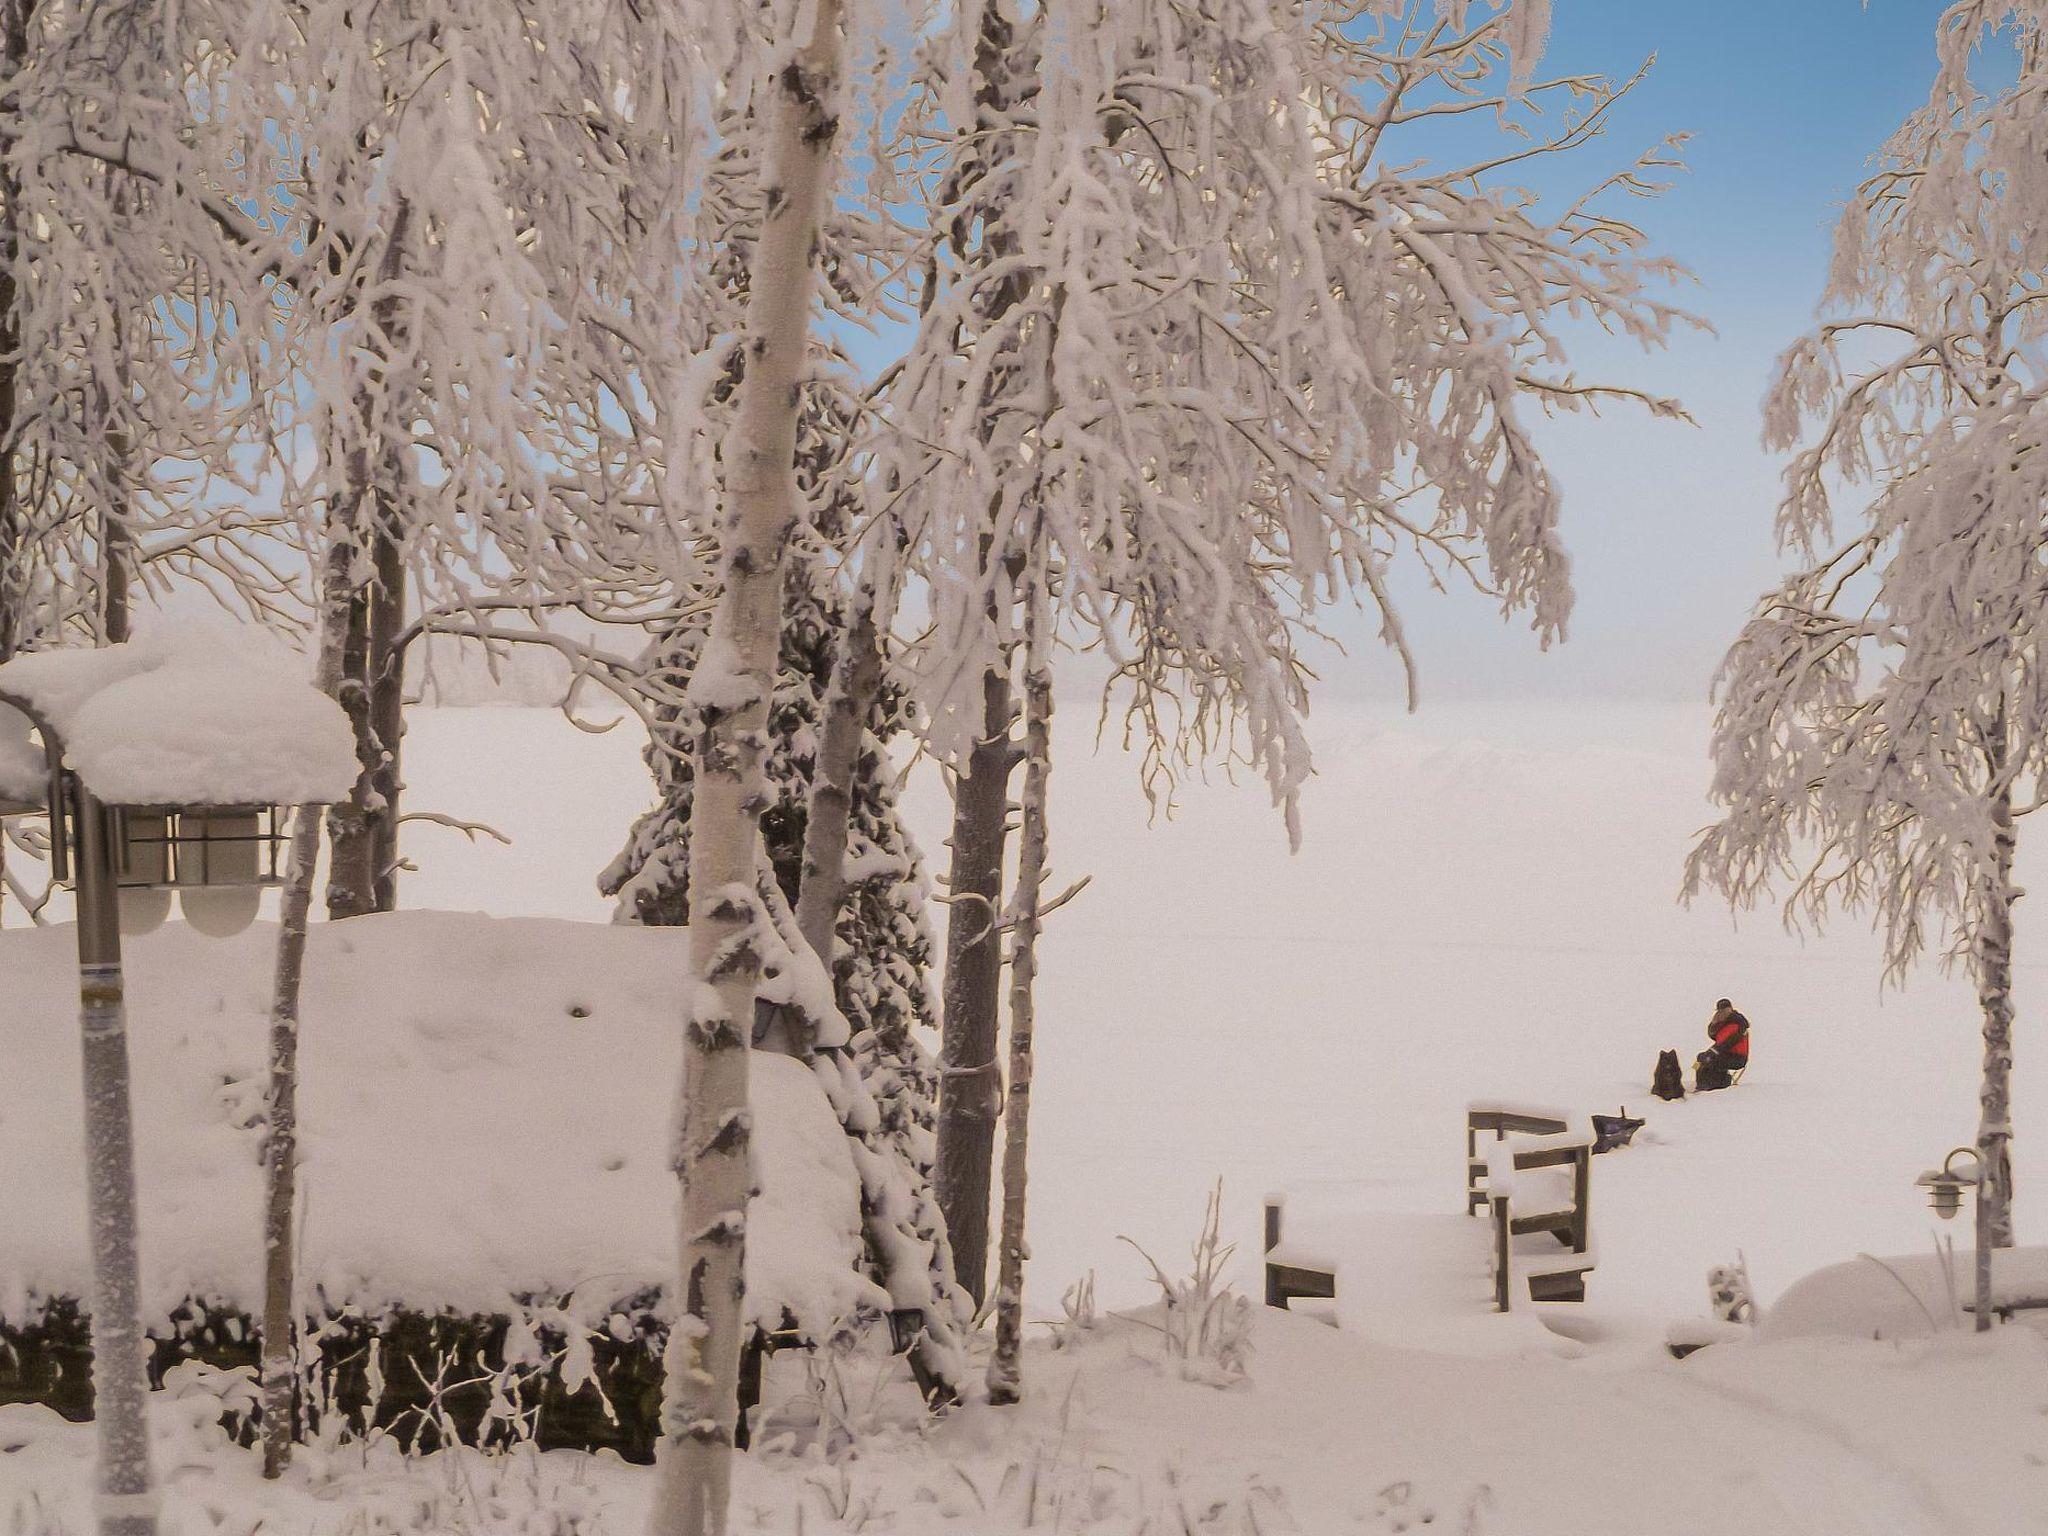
[1669,1079]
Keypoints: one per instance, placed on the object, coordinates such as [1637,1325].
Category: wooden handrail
[1502,1120]
[1534,1140]
[1503,1255]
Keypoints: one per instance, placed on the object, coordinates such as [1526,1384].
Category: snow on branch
[1884,713]
[1206,337]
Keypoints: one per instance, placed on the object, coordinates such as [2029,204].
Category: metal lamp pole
[126,1502]
[120,1384]
[1980,1231]
[85,848]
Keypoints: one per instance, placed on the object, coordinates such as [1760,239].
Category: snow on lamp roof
[184,718]
[24,771]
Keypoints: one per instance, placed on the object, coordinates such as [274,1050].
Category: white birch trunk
[732,687]
[281,1117]
[1005,1378]
[1992,963]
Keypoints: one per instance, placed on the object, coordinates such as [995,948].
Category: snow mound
[191,718]
[1904,1297]
[485,1115]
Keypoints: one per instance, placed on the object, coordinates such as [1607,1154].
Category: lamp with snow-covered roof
[217,860]
[162,768]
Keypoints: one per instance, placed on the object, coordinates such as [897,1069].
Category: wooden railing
[1501,1120]
[1526,1141]
[1286,1282]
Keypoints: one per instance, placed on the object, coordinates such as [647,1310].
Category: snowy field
[1484,907]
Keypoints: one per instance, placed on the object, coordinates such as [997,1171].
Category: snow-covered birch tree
[854,878]
[446,333]
[797,103]
[447,264]
[1198,270]
[1005,1366]
[1883,715]
[133,332]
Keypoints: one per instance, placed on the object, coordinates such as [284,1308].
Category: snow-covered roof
[193,718]
[484,1114]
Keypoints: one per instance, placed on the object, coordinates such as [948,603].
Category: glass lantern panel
[144,855]
[221,846]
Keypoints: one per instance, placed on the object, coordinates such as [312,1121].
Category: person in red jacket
[1718,1064]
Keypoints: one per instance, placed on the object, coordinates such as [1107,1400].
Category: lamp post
[82,844]
[119,1382]
[1945,1186]
[224,746]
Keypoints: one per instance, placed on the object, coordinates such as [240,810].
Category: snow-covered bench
[1499,1118]
[1294,1273]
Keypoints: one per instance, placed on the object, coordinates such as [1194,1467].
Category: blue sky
[1670,527]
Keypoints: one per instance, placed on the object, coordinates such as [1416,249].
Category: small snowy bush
[1078,1303]
[1729,1293]
[1208,1324]
[217,1405]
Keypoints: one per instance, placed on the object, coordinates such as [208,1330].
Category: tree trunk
[938,1354]
[342,672]
[281,1116]
[849,699]
[14,15]
[970,1084]
[117,599]
[14,573]
[351,850]
[376,483]
[117,542]
[731,688]
[386,714]
[1005,1378]
[1992,963]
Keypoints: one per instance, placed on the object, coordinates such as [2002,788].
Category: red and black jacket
[1731,1036]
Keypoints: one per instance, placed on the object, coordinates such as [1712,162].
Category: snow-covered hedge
[485,1119]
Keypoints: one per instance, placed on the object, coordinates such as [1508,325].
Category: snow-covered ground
[1484,907]
[1329,1437]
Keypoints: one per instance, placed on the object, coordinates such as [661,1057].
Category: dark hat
[1722,1002]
